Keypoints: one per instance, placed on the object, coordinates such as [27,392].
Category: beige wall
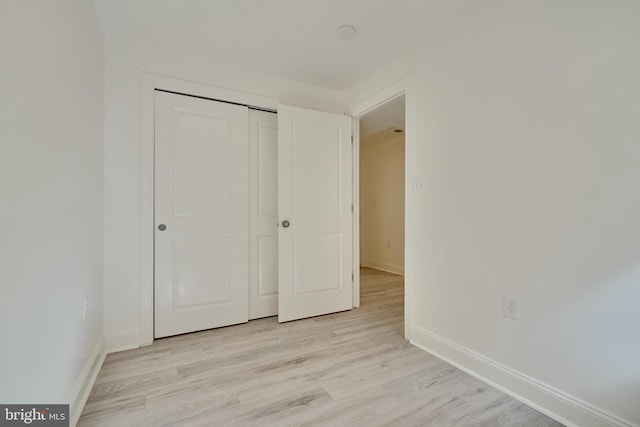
[526,134]
[51,182]
[382,203]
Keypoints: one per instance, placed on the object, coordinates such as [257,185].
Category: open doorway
[382,201]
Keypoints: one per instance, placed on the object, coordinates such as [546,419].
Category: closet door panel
[201,214]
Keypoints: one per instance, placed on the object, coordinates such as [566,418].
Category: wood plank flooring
[345,369]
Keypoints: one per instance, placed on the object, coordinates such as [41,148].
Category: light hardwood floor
[345,369]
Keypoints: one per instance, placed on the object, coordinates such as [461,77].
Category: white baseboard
[389,268]
[83,384]
[556,404]
[124,340]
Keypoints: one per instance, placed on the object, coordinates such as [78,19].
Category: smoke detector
[346,32]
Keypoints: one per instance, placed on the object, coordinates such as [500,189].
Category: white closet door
[201,197]
[263,214]
[315,263]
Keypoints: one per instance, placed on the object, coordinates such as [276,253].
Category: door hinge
[352,277]
[352,139]
[351,208]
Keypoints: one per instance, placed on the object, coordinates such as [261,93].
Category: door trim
[355,193]
[403,87]
[149,83]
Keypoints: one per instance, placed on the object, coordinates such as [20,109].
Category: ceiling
[384,119]
[293,39]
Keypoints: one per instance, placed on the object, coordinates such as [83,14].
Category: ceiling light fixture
[345,32]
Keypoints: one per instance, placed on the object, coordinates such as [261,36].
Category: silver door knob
[162,227]
[286,223]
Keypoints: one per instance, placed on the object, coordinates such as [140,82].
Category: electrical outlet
[418,184]
[85,306]
[510,307]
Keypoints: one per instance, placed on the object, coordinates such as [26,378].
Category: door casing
[403,87]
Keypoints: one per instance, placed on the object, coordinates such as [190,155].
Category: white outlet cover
[510,307]
[85,306]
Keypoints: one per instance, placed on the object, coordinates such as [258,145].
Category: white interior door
[315,262]
[263,214]
[201,197]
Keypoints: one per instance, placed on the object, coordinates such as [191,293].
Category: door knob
[162,227]
[286,223]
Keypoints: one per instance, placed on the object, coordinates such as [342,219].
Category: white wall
[126,60]
[527,135]
[51,205]
[382,203]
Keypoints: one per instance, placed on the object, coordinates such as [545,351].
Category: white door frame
[402,87]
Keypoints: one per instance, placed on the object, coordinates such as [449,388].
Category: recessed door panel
[267,147]
[267,267]
[316,168]
[201,162]
[201,269]
[317,263]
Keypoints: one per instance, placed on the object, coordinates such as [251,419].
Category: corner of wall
[124,340]
[542,397]
[85,380]
[385,266]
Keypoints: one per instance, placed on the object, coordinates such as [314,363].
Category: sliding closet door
[201,214]
[315,262]
[263,214]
